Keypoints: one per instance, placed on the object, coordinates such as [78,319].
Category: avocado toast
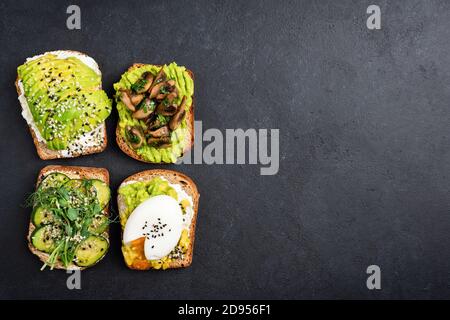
[69,223]
[62,100]
[156,112]
[158,215]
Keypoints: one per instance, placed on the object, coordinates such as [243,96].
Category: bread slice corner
[189,139]
[73,172]
[188,186]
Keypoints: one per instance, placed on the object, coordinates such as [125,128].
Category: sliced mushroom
[161,96]
[170,93]
[135,137]
[171,96]
[166,110]
[161,142]
[124,96]
[153,123]
[161,76]
[136,98]
[144,111]
[148,77]
[155,90]
[171,82]
[161,132]
[175,122]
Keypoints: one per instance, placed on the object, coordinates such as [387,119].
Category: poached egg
[160,220]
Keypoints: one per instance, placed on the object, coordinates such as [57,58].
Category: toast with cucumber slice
[69,222]
[158,215]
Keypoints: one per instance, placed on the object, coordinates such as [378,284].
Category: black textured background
[364,145]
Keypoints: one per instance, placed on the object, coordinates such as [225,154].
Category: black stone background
[364,145]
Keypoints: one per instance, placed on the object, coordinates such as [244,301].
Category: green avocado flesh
[136,193]
[185,86]
[63,98]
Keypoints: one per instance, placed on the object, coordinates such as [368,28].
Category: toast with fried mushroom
[156,112]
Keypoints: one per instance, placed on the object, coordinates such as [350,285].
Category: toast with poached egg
[158,214]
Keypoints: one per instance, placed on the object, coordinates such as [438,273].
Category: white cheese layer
[91,139]
[26,113]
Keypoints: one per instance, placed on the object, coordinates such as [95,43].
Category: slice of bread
[72,172]
[188,186]
[123,145]
[41,147]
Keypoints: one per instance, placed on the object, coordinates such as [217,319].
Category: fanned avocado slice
[64,98]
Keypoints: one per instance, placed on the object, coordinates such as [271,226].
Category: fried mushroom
[135,137]
[161,132]
[144,111]
[175,121]
[166,110]
[161,142]
[126,99]
[146,82]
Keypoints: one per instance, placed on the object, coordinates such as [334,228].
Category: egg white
[160,220]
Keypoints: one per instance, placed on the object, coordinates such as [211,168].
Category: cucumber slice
[75,184]
[54,179]
[42,216]
[45,238]
[99,224]
[91,250]
[103,192]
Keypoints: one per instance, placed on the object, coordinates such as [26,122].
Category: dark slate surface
[364,145]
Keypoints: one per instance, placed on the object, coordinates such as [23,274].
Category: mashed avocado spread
[64,97]
[134,194]
[185,88]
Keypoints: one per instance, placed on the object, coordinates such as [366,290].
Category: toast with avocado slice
[61,96]
[69,222]
[156,112]
[158,215]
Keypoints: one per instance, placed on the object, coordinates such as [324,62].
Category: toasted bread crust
[123,145]
[72,172]
[188,186]
[47,154]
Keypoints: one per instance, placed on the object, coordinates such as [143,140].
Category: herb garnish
[164,89]
[73,210]
[163,120]
[147,105]
[138,85]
